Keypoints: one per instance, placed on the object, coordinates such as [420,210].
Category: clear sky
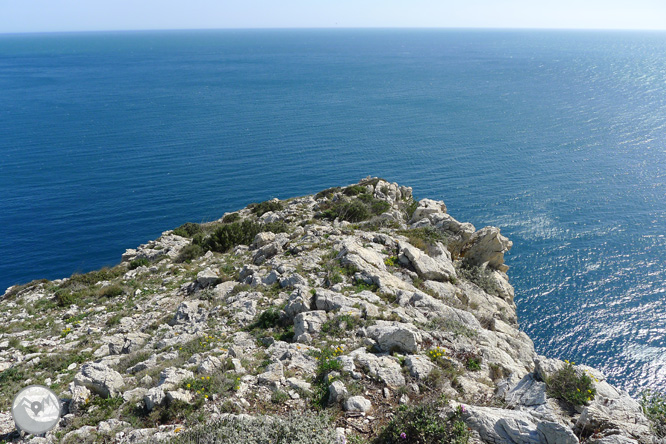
[86,15]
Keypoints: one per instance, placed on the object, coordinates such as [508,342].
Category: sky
[95,15]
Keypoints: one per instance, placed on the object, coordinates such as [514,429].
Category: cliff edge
[354,315]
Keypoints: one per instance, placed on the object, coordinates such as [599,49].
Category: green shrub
[424,237]
[411,207]
[421,424]
[188,229]
[111,291]
[226,237]
[565,384]
[190,252]
[327,193]
[480,276]
[391,261]
[353,211]
[64,298]
[231,217]
[267,319]
[279,397]
[297,428]
[264,207]
[140,262]
[654,407]
[340,325]
[354,190]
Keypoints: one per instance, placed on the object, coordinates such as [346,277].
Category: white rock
[486,247]
[419,366]
[337,392]
[309,322]
[100,379]
[396,336]
[207,277]
[154,397]
[357,404]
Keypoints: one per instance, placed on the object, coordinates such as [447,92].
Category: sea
[557,137]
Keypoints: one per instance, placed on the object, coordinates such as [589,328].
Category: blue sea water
[557,137]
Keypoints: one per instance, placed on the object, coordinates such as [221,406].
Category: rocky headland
[355,315]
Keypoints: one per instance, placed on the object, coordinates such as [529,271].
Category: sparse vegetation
[654,407]
[422,424]
[480,276]
[188,229]
[567,385]
[264,207]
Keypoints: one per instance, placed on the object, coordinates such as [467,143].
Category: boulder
[337,392]
[189,312]
[486,248]
[396,336]
[357,404]
[308,322]
[207,277]
[427,207]
[437,268]
[100,379]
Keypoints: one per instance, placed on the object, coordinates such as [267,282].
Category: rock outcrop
[357,297]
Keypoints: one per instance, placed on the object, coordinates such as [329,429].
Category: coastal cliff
[354,315]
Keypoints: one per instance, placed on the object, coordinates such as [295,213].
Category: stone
[497,425]
[419,366]
[292,281]
[300,300]
[135,395]
[427,207]
[179,395]
[80,397]
[395,336]
[486,248]
[357,404]
[337,392]
[207,277]
[309,322]
[189,312]
[385,368]
[274,374]
[171,377]
[110,425]
[100,379]
[154,397]
[528,392]
[209,365]
[262,239]
[437,268]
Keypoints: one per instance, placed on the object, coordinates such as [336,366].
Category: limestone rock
[486,247]
[419,366]
[189,312]
[100,379]
[308,322]
[427,207]
[396,336]
[171,377]
[154,397]
[496,425]
[357,404]
[337,392]
[436,268]
[207,277]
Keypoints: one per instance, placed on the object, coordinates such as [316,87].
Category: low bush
[565,384]
[226,237]
[424,237]
[190,252]
[422,424]
[231,217]
[188,229]
[297,428]
[111,291]
[654,407]
[264,207]
[480,276]
[140,262]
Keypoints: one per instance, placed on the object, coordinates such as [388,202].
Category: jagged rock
[293,280]
[262,239]
[110,425]
[337,392]
[135,395]
[207,277]
[419,366]
[300,300]
[209,365]
[357,404]
[396,336]
[189,312]
[100,379]
[299,384]
[437,267]
[529,392]
[385,368]
[274,374]
[427,207]
[154,397]
[486,247]
[179,395]
[171,377]
[308,322]
[80,397]
[496,425]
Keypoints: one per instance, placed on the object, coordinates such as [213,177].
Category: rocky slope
[352,302]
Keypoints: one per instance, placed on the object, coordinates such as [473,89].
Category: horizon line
[305,28]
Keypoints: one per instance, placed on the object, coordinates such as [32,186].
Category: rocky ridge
[356,300]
